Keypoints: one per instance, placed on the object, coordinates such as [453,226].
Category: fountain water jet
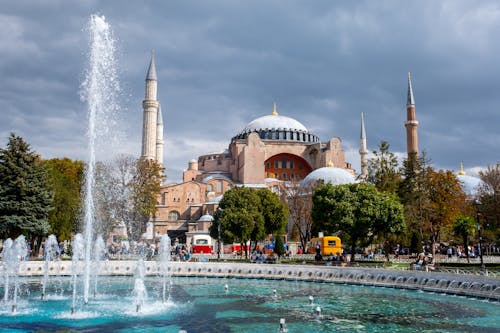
[13,253]
[164,262]
[78,253]
[140,293]
[99,252]
[51,251]
[98,90]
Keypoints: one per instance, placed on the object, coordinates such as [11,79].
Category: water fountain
[51,252]
[164,262]
[99,91]
[140,292]
[197,304]
[98,255]
[13,253]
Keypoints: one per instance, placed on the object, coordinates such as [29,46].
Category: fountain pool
[201,304]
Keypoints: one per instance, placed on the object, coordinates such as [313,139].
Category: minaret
[159,137]
[363,152]
[411,122]
[150,106]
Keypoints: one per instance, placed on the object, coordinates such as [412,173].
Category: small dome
[206,218]
[470,184]
[275,122]
[334,176]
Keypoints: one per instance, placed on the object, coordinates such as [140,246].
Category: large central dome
[275,122]
[280,128]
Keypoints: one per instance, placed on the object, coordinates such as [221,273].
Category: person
[331,257]
[429,265]
[419,263]
[449,252]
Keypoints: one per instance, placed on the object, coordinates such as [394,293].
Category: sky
[222,64]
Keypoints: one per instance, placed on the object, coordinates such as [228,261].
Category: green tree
[65,178]
[25,195]
[358,211]
[279,247]
[463,227]
[274,212]
[383,169]
[239,217]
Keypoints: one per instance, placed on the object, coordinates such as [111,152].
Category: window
[268,165]
[210,188]
[284,176]
[291,164]
[219,186]
[163,195]
[292,176]
[173,215]
[276,164]
[332,243]
[283,163]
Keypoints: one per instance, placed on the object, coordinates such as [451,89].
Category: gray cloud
[223,63]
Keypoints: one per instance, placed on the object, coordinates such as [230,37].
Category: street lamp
[218,240]
[477,204]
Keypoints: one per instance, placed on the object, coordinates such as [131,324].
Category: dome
[470,184]
[275,122]
[206,218]
[334,176]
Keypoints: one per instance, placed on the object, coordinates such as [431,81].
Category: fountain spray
[51,251]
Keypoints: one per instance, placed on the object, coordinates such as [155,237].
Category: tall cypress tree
[25,196]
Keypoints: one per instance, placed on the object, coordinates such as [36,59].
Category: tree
[274,212]
[127,191]
[464,226]
[65,178]
[279,247]
[146,187]
[383,169]
[25,195]
[358,211]
[489,195]
[239,217]
[299,201]
[446,198]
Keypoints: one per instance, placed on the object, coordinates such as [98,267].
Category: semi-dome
[470,184]
[206,218]
[334,176]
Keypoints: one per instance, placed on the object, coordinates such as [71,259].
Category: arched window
[173,215]
[210,188]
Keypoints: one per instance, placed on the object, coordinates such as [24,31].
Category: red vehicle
[202,243]
[237,248]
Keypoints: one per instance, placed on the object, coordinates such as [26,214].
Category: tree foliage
[275,214]
[25,195]
[383,169]
[489,195]
[127,192]
[65,178]
[299,201]
[464,227]
[239,217]
[358,211]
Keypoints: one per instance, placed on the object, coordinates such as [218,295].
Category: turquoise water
[202,305]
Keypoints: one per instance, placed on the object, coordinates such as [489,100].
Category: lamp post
[218,240]
[477,204]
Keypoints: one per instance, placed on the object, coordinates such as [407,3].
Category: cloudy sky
[222,64]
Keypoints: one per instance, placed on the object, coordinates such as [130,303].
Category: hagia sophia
[270,151]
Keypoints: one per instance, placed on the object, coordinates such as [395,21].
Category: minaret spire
[275,113]
[411,123]
[461,172]
[363,152]
[150,107]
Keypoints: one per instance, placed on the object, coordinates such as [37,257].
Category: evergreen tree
[25,195]
[383,169]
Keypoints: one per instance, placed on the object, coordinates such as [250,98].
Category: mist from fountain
[51,251]
[99,90]
[7,245]
[164,262]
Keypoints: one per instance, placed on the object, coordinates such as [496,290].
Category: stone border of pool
[454,284]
